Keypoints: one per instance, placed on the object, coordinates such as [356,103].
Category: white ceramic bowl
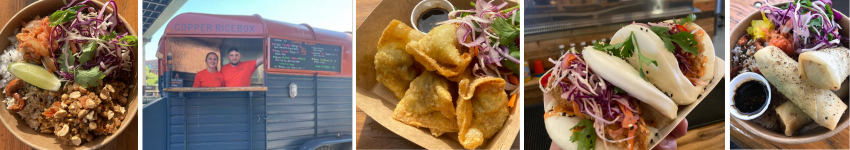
[735,84]
[425,5]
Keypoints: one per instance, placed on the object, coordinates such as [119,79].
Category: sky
[326,14]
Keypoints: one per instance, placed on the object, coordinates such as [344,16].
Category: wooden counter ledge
[216,89]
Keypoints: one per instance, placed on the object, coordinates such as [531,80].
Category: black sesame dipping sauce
[750,97]
[429,19]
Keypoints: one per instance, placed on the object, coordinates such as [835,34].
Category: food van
[300,98]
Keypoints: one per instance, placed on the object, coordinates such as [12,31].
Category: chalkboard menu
[300,55]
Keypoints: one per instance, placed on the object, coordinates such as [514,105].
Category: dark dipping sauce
[429,19]
[750,97]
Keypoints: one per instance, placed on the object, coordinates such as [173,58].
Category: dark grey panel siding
[322,108]
[222,120]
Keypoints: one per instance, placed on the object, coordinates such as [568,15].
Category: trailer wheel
[326,147]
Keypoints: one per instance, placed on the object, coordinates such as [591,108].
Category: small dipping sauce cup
[428,13]
[749,96]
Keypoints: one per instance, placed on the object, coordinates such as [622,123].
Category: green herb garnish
[685,40]
[617,90]
[586,137]
[130,39]
[507,32]
[89,77]
[830,13]
[67,56]
[61,16]
[683,21]
[625,50]
[88,51]
[514,51]
[109,36]
[75,8]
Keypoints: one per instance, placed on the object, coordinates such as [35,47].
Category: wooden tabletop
[370,133]
[129,139]
[740,9]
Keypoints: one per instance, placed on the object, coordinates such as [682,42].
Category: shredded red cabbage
[113,56]
[806,37]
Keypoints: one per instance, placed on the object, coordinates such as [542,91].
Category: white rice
[9,56]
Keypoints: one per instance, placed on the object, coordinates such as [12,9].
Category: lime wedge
[35,75]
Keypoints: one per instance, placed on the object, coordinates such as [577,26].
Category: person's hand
[668,143]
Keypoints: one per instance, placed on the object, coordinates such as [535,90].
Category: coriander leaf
[625,50]
[816,23]
[659,30]
[685,41]
[109,36]
[75,8]
[685,20]
[89,77]
[668,43]
[514,67]
[131,40]
[645,60]
[88,51]
[614,49]
[507,32]
[628,47]
[586,137]
[829,10]
[66,57]
[617,90]
[641,58]
[662,33]
[61,16]
[509,9]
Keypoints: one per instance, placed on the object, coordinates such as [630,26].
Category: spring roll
[844,91]
[793,117]
[780,70]
[826,68]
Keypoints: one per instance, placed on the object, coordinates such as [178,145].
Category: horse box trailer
[300,98]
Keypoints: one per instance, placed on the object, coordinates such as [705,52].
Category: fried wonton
[428,103]
[439,51]
[394,65]
[481,110]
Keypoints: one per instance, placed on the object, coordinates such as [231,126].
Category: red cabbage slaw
[478,31]
[111,52]
[803,17]
[595,97]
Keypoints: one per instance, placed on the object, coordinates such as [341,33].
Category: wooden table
[128,139]
[371,134]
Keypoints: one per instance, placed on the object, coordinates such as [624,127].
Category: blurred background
[552,26]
